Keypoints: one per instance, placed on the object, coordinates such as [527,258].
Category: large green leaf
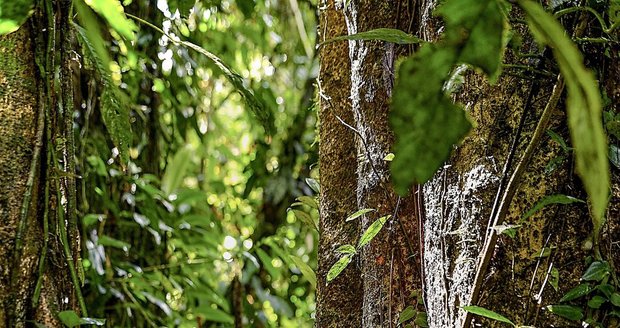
[176,170]
[339,266]
[305,269]
[13,13]
[114,14]
[569,312]
[583,107]
[551,199]
[426,123]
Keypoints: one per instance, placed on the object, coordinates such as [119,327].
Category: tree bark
[36,119]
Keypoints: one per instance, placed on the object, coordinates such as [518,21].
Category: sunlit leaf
[358,214]
[114,14]
[381,34]
[13,13]
[176,170]
[339,266]
[346,249]
[487,314]
[372,231]
[583,106]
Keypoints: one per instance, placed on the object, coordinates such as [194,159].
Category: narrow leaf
[381,34]
[358,214]
[346,249]
[583,106]
[338,267]
[372,231]
[552,199]
[309,201]
[313,184]
[487,314]
[305,269]
[109,241]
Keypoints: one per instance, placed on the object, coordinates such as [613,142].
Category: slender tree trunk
[39,238]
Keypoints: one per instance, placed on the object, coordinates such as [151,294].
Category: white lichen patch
[453,239]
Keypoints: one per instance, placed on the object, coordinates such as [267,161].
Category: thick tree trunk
[355,88]
[37,191]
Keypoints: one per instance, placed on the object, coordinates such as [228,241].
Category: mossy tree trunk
[39,251]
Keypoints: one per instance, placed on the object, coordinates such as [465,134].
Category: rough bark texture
[339,301]
[30,120]
[459,201]
[356,84]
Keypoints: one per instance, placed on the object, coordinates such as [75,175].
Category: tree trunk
[464,193]
[40,240]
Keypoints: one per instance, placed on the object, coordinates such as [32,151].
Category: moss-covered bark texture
[29,120]
[356,82]
[460,198]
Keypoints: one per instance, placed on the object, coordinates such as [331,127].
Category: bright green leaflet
[114,14]
[338,267]
[407,314]
[346,249]
[372,231]
[13,13]
[583,107]
[176,170]
[487,314]
[358,214]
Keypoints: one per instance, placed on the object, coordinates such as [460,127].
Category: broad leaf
[596,302]
[575,293]
[569,312]
[372,231]
[487,314]
[407,314]
[596,271]
[13,13]
[552,199]
[69,318]
[176,170]
[358,214]
[114,14]
[381,34]
[339,266]
[583,106]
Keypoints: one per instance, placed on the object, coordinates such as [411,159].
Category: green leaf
[215,315]
[575,293]
[389,157]
[358,214]
[487,314]
[596,271]
[583,106]
[309,201]
[421,320]
[606,289]
[176,170]
[407,314]
[114,14]
[569,312]
[554,279]
[557,138]
[346,249]
[338,267]
[69,318]
[305,269]
[551,199]
[596,302]
[478,27]
[314,185]
[372,231]
[305,218]
[109,241]
[614,155]
[13,14]
[381,34]
[615,299]
[92,321]
[426,123]
[266,260]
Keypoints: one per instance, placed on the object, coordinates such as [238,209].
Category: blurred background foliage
[196,228]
